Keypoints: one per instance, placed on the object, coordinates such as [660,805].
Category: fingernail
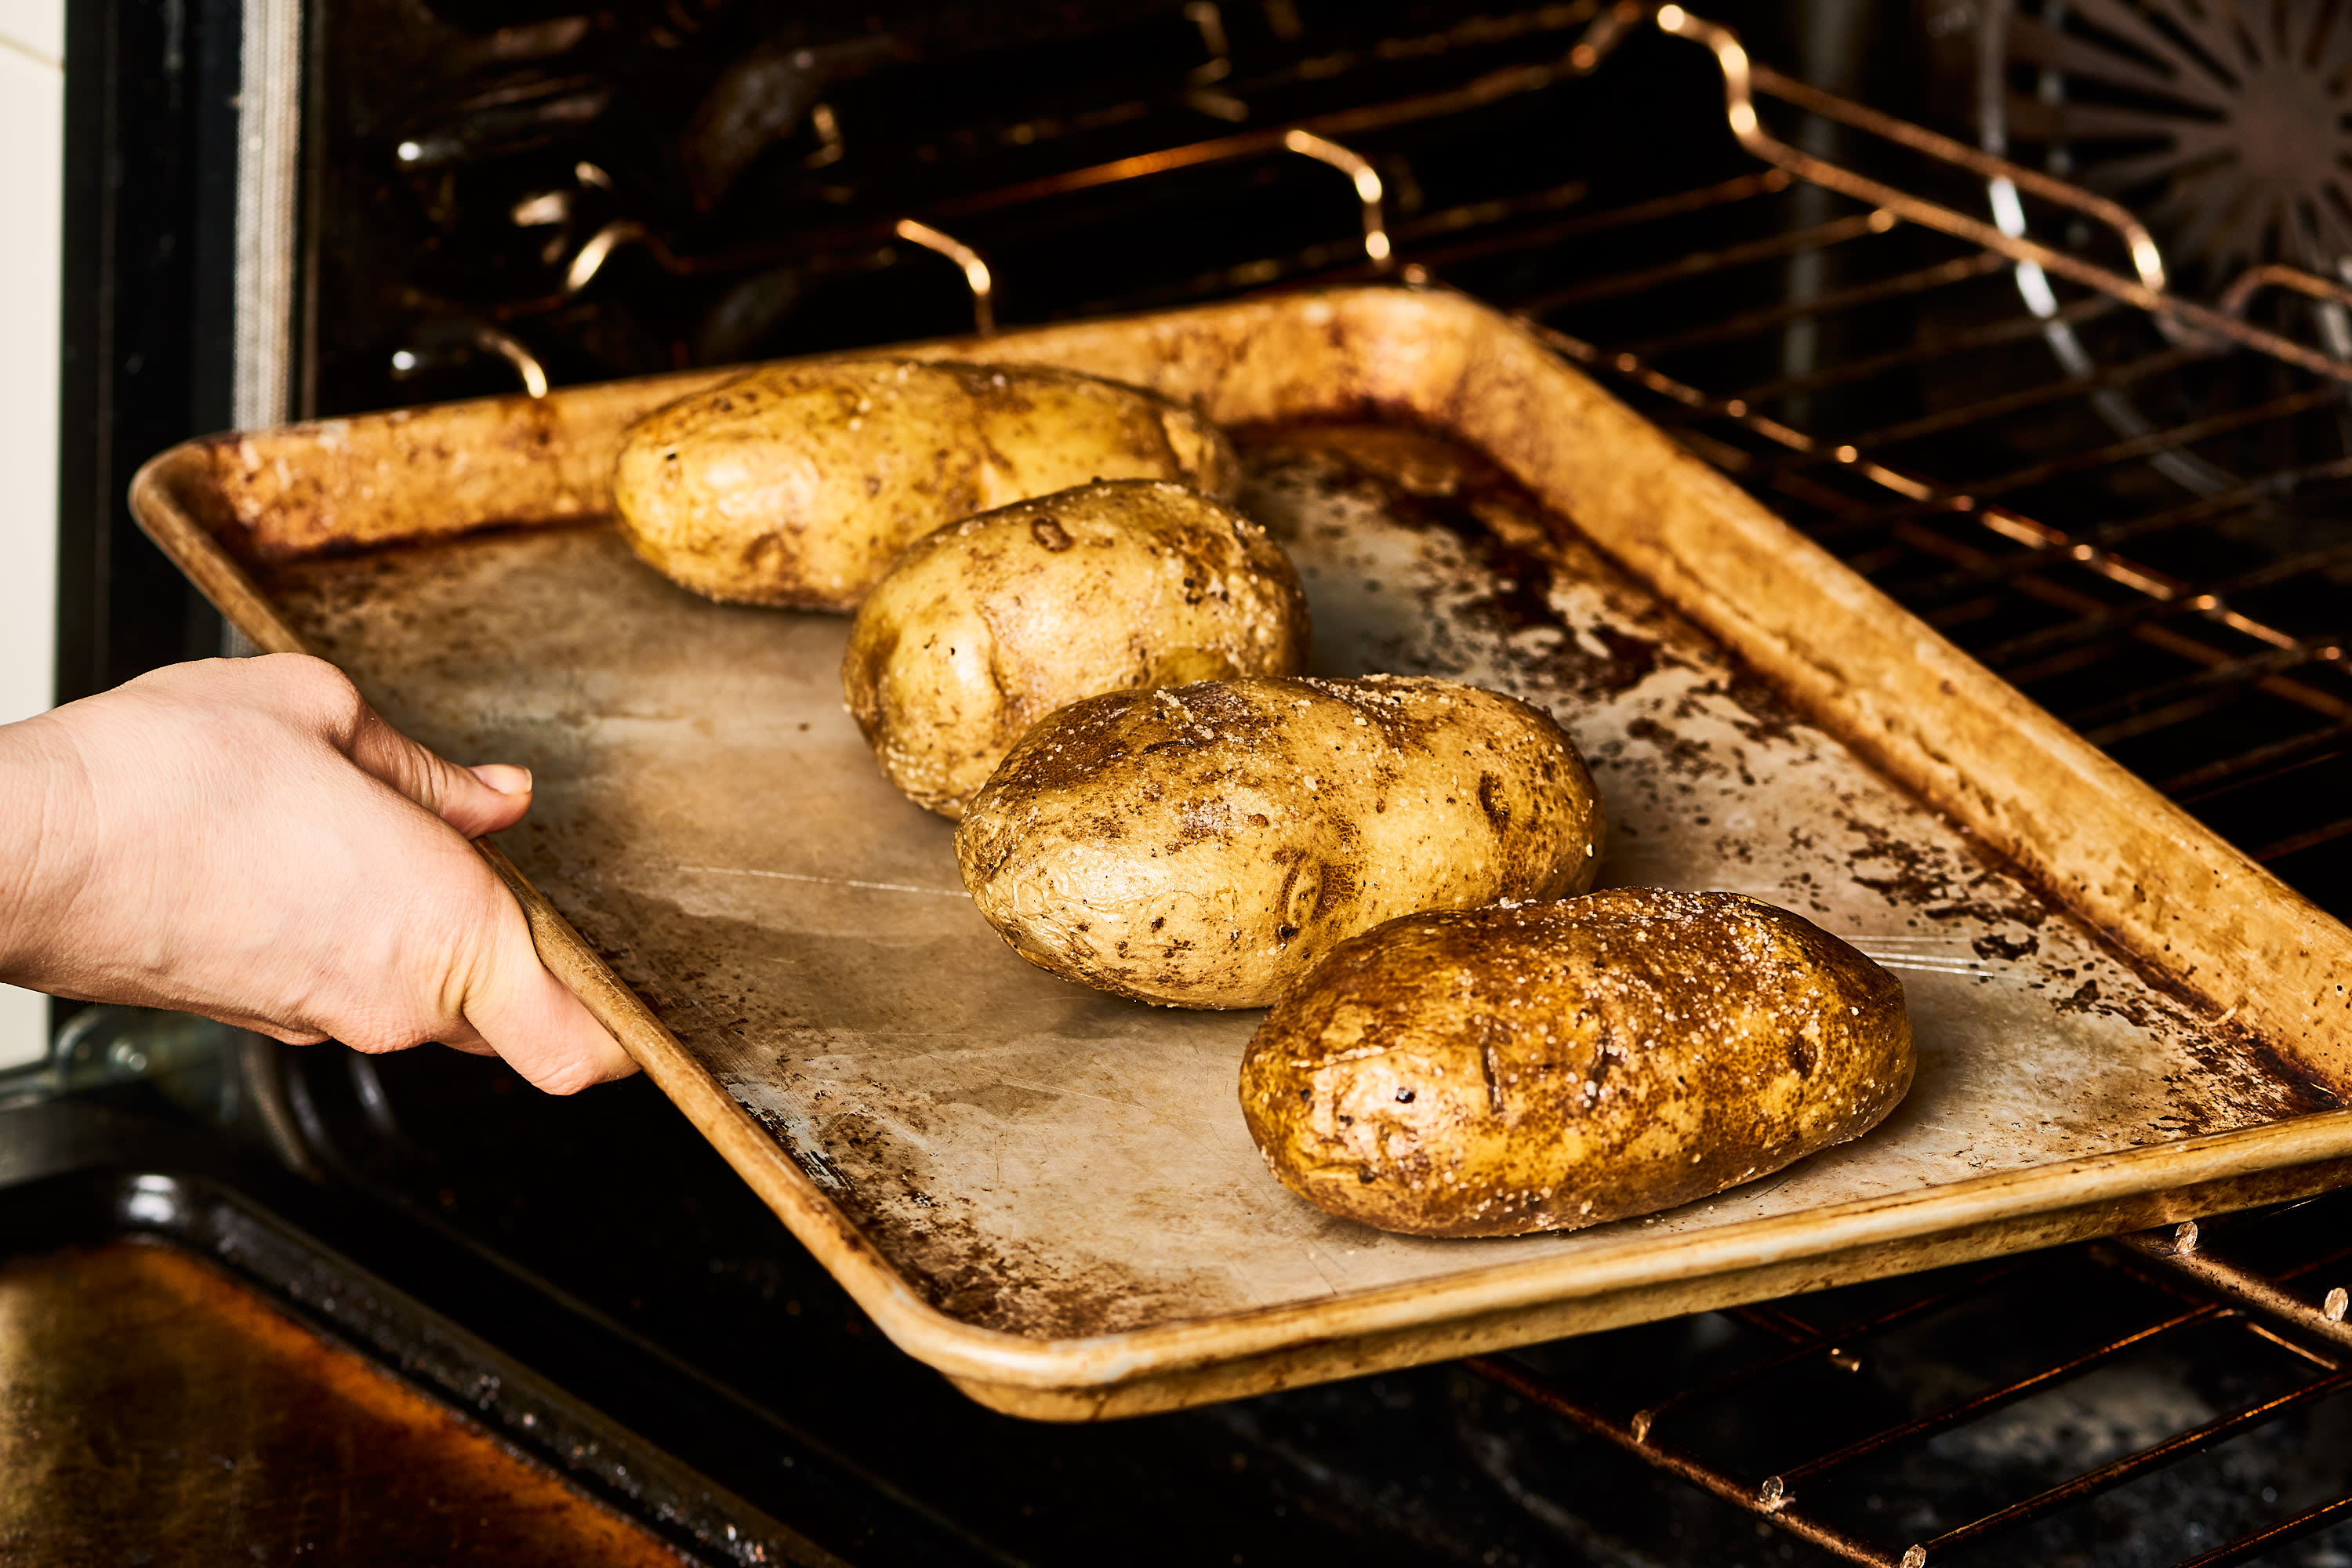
[516,779]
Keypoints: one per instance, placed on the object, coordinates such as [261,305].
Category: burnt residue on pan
[1511,549]
[967,1267]
[1930,879]
[962,1258]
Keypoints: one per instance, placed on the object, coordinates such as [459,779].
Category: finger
[462,797]
[525,1015]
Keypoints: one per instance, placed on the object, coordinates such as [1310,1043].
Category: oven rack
[2188,1285]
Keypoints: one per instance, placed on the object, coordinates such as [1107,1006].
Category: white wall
[32,193]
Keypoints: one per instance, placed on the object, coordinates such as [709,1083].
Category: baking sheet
[1049,1161]
[1048,1192]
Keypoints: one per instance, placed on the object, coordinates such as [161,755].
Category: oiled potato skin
[1203,846]
[1552,1065]
[797,484]
[983,627]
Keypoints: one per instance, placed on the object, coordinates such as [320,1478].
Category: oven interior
[2136,518]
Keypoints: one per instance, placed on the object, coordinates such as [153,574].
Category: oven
[2036,314]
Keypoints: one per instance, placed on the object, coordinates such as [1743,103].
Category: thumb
[528,1017]
[474,801]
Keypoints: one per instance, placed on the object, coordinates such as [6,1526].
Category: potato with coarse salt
[798,484]
[984,626]
[1203,846]
[1545,1067]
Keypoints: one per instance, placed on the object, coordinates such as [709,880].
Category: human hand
[247,839]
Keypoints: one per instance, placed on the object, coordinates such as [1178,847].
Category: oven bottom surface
[154,1407]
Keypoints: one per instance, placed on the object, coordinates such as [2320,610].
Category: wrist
[43,813]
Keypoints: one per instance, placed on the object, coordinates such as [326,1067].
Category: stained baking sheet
[1049,1192]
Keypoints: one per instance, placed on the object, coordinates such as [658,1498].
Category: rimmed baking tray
[1048,1194]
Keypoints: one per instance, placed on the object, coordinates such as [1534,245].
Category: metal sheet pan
[1048,1193]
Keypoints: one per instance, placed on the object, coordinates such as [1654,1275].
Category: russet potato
[984,626]
[1203,846]
[1556,1065]
[798,484]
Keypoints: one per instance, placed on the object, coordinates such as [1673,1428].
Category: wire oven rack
[1822,1477]
[2125,502]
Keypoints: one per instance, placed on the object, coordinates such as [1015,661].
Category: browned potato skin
[1553,1066]
[798,484]
[1203,846]
[984,626]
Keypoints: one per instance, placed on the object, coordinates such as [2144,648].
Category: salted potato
[984,626]
[797,484]
[1551,1065]
[1203,846]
